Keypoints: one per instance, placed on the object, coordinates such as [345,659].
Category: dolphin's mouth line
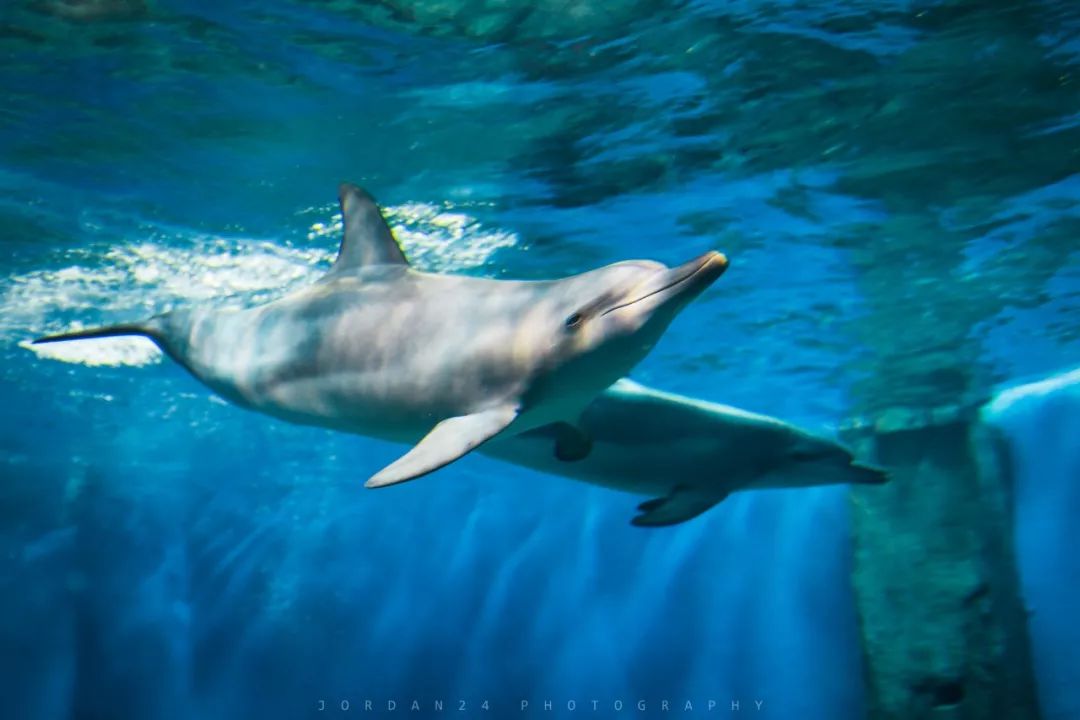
[670,285]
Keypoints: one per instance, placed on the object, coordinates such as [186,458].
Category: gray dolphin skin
[687,453]
[441,362]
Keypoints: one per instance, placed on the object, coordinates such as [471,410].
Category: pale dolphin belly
[688,453]
[649,442]
[650,469]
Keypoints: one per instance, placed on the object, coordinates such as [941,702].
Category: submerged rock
[944,633]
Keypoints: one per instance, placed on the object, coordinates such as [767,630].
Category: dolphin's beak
[701,271]
[681,283]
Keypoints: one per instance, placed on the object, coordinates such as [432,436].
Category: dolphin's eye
[573,322]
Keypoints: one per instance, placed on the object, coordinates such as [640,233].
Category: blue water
[897,185]
[1041,420]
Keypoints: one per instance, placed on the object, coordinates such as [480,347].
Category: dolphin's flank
[441,362]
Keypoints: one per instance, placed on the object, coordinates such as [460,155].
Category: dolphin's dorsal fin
[367,239]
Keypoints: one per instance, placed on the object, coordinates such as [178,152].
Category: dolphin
[441,362]
[688,454]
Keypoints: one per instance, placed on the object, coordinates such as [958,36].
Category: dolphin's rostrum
[442,362]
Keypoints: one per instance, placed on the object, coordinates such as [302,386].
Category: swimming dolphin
[442,362]
[688,453]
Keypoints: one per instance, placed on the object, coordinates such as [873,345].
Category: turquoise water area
[897,185]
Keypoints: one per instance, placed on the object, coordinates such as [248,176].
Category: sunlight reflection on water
[153,276]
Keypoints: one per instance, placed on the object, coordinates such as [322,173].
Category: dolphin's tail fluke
[146,329]
[862,474]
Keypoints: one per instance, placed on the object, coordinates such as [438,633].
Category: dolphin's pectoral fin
[367,239]
[571,442]
[446,442]
[678,506]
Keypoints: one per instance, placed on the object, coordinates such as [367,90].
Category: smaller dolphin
[688,453]
[443,363]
